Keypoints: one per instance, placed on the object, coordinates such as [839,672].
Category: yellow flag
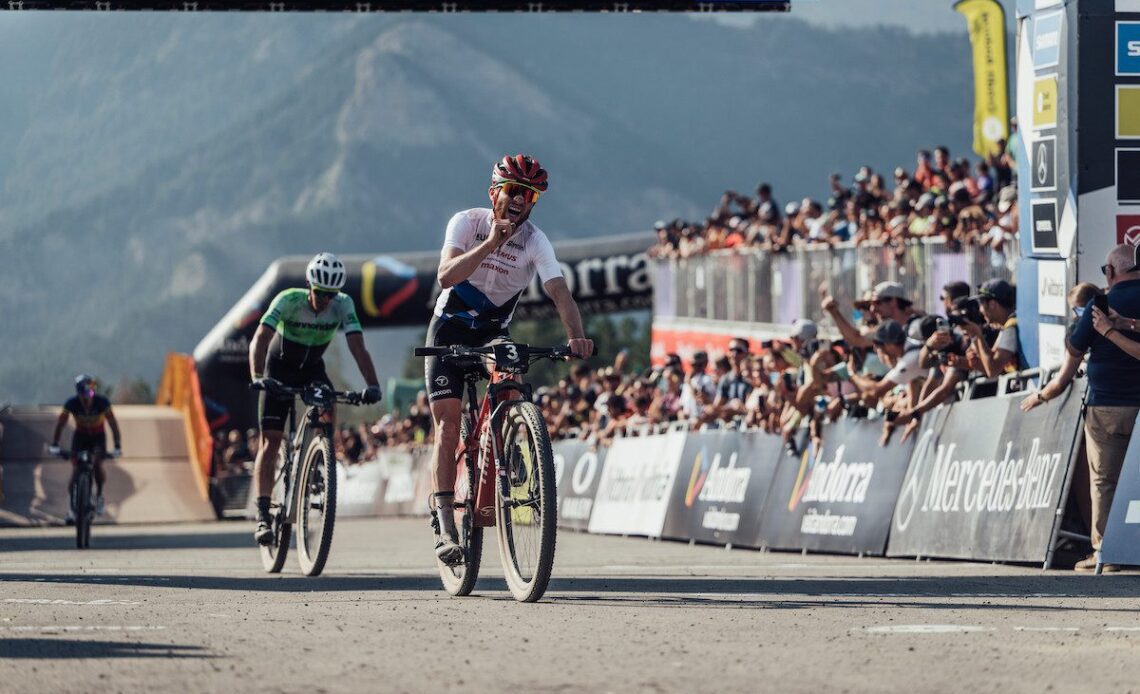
[986,20]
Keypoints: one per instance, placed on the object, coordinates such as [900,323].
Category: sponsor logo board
[1047,39]
[1127,112]
[1044,171]
[721,486]
[578,469]
[838,495]
[1045,102]
[636,484]
[987,482]
[1128,175]
[1052,288]
[1128,229]
[1044,219]
[1127,48]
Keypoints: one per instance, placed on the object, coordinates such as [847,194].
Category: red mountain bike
[505,470]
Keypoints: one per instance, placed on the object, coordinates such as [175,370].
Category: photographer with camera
[944,351]
[997,300]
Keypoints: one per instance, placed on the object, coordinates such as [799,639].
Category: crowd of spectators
[962,203]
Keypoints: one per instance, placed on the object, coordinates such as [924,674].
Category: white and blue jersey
[487,298]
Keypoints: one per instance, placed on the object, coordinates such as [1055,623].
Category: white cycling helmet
[325,271]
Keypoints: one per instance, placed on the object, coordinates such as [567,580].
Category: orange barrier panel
[179,389]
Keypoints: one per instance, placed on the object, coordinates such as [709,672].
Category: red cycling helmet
[520,168]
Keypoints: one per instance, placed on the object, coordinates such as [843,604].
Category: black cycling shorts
[446,380]
[273,409]
[83,441]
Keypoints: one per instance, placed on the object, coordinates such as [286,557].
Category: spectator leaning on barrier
[699,390]
[998,301]
[1114,384]
[892,347]
[734,387]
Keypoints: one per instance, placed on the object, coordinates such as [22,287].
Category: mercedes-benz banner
[721,485]
[633,495]
[578,471]
[987,483]
[837,496]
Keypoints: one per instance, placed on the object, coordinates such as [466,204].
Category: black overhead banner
[987,483]
[837,497]
[604,274]
[578,470]
[721,485]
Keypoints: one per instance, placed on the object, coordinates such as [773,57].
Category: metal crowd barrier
[754,286]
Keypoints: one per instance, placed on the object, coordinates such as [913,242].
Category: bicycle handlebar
[306,393]
[559,352]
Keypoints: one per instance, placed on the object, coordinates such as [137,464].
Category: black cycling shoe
[448,551]
[264,532]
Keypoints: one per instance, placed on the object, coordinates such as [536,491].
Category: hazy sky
[923,16]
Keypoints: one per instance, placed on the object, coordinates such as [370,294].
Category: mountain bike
[304,484]
[505,470]
[83,500]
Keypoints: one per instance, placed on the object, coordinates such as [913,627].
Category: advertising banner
[1121,544]
[837,496]
[578,471]
[986,20]
[722,482]
[637,480]
[986,482]
[360,489]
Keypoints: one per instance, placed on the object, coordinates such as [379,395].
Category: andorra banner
[721,486]
[987,483]
[837,496]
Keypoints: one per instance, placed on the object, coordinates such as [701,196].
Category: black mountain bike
[505,470]
[304,487]
[83,494]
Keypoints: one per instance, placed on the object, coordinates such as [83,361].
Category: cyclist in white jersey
[488,260]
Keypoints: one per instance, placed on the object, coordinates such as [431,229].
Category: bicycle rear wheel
[83,511]
[316,515]
[526,504]
[460,580]
[273,555]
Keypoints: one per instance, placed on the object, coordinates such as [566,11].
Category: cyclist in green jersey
[287,350]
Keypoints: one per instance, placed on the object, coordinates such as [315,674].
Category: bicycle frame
[296,442]
[490,414]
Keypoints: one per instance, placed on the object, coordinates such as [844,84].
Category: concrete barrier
[152,483]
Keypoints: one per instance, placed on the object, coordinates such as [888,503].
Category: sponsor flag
[986,20]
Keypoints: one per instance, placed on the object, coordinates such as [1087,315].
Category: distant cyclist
[91,411]
[287,350]
[488,260]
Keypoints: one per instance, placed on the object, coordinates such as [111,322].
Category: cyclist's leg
[445,389]
[273,411]
[99,449]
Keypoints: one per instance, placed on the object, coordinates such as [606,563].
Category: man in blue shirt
[1114,389]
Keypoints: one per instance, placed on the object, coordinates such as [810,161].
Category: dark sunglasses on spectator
[737,348]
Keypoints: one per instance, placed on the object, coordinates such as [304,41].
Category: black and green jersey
[303,334]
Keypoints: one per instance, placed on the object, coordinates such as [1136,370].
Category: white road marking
[54,629]
[1122,628]
[48,601]
[1069,629]
[926,629]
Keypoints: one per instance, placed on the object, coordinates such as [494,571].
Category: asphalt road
[187,608]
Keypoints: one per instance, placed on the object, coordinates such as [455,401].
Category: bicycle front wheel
[273,555]
[316,514]
[526,505]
